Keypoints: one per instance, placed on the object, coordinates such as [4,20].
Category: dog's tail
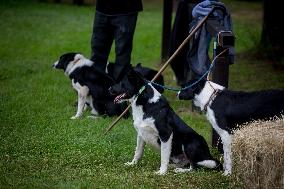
[211,164]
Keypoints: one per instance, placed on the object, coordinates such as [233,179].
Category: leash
[194,83]
[165,65]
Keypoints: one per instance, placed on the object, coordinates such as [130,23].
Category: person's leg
[101,41]
[124,32]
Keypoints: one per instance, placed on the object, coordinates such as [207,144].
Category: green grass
[42,148]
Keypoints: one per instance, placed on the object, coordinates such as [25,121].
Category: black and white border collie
[158,125]
[226,109]
[92,84]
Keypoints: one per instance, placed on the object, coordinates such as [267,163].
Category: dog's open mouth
[120,98]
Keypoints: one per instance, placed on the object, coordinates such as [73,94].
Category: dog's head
[67,61]
[128,87]
[188,94]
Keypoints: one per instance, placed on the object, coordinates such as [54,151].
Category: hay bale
[258,155]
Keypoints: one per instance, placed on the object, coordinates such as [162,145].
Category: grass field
[41,147]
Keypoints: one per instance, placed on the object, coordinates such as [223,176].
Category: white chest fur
[145,127]
[204,96]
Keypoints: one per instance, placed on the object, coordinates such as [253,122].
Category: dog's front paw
[130,163]
[161,172]
[75,117]
[227,173]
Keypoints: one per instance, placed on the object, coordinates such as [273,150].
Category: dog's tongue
[119,97]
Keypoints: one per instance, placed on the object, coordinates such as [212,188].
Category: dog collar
[212,97]
[141,90]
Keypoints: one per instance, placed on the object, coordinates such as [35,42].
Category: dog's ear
[139,65]
[135,77]
[131,74]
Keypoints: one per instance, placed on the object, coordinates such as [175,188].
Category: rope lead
[191,85]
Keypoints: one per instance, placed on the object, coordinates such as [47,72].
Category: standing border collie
[226,109]
[158,125]
[92,84]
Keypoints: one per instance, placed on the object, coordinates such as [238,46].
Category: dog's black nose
[185,94]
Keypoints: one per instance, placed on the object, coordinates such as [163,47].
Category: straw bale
[258,155]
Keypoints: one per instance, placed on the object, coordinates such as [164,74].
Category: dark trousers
[106,29]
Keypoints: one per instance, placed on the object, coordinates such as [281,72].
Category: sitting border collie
[92,84]
[226,109]
[158,125]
